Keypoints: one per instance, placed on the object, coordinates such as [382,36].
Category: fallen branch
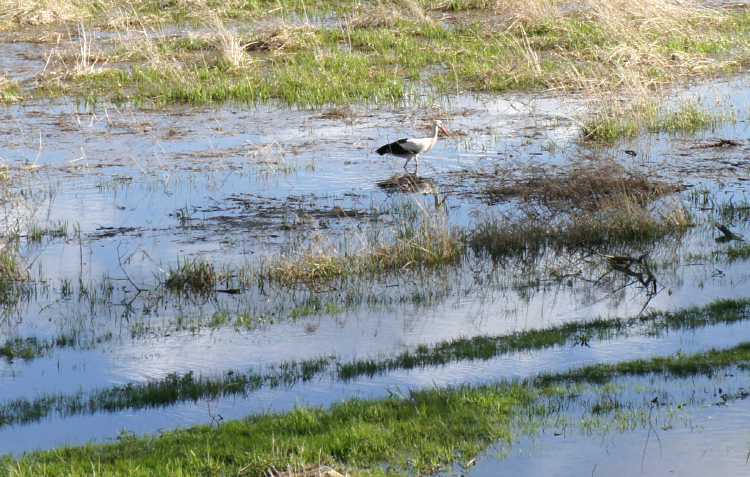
[728,234]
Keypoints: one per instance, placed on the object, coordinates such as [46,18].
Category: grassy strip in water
[188,387]
[611,123]
[619,221]
[588,206]
[575,333]
[585,204]
[421,432]
[37,232]
[680,365]
[33,347]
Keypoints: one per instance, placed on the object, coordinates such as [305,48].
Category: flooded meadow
[172,265]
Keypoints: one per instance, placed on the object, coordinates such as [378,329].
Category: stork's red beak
[445,131]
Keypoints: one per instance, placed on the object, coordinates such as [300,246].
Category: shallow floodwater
[141,191]
[715,440]
[705,439]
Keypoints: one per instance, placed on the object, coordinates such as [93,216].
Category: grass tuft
[196,276]
[583,206]
[423,239]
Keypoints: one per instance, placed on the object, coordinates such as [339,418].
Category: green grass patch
[610,123]
[680,365]
[688,118]
[37,233]
[331,52]
[418,432]
[10,91]
[737,252]
[34,347]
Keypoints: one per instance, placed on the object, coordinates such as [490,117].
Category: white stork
[410,148]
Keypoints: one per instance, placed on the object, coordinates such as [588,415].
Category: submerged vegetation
[188,387]
[415,432]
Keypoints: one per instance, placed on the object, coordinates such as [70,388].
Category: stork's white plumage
[411,148]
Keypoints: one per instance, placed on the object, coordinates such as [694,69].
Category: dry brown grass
[625,19]
[583,205]
[609,50]
[40,12]
[612,49]
[380,16]
[305,471]
[583,185]
[280,36]
[422,240]
[387,14]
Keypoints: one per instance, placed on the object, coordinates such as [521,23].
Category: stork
[411,148]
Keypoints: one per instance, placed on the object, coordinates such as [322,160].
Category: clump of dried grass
[388,14]
[82,55]
[229,44]
[280,36]
[8,90]
[583,186]
[127,19]
[271,155]
[377,17]
[619,18]
[611,48]
[424,239]
[41,12]
[521,13]
[606,204]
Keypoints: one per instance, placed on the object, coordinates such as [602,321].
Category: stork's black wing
[397,148]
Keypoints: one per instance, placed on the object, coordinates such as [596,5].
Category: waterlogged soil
[139,192]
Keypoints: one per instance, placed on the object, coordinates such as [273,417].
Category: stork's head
[439,124]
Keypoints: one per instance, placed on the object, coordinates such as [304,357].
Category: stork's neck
[434,137]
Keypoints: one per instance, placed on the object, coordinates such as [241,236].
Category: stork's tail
[383,149]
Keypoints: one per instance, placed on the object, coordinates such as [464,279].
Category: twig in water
[650,427]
